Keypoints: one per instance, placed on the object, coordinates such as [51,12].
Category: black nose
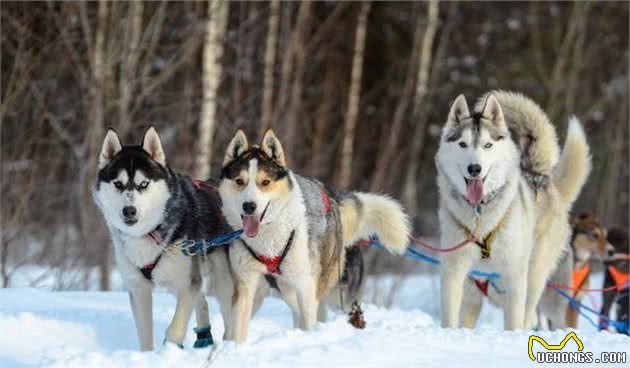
[129,211]
[249,207]
[474,170]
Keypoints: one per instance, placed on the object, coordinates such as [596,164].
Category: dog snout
[249,207]
[474,170]
[129,211]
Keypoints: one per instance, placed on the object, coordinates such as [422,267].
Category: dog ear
[237,146]
[459,111]
[153,146]
[271,146]
[111,146]
[492,111]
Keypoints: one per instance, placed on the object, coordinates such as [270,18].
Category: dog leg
[243,305]
[203,330]
[187,299]
[453,276]
[514,307]
[322,312]
[308,305]
[141,301]
[290,297]
[537,278]
[471,306]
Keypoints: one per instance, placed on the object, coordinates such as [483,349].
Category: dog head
[254,181]
[590,237]
[476,153]
[131,189]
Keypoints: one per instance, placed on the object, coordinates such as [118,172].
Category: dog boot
[204,337]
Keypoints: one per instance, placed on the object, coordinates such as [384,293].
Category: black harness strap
[272,263]
[147,270]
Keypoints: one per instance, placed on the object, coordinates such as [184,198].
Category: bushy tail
[575,163]
[367,214]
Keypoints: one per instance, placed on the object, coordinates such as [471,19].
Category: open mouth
[251,223]
[474,190]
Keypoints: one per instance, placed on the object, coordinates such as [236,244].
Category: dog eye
[265,182]
[118,185]
[143,185]
[487,145]
[239,181]
[463,144]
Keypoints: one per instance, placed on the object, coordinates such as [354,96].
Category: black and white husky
[503,181]
[296,230]
[147,207]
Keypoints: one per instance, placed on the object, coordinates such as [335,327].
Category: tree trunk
[130,57]
[212,52]
[422,86]
[270,61]
[352,112]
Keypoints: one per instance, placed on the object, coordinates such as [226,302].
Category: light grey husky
[296,230]
[503,182]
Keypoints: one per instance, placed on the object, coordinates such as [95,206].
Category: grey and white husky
[296,230]
[503,182]
[146,207]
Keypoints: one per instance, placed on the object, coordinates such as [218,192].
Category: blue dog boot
[204,337]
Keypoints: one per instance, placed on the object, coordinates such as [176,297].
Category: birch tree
[270,61]
[422,85]
[211,76]
[352,112]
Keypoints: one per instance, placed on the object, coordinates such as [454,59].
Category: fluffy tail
[531,129]
[366,214]
[575,163]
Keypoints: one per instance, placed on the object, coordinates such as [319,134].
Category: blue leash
[619,325]
[412,253]
[191,247]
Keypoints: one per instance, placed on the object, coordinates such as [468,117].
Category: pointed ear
[459,111]
[111,146]
[153,146]
[492,111]
[270,144]
[236,147]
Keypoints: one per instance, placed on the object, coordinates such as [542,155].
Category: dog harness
[272,263]
[147,269]
[579,277]
[484,244]
[621,278]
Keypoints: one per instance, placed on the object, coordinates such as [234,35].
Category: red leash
[417,241]
[577,290]
[201,183]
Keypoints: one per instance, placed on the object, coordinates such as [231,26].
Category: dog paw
[204,337]
[170,343]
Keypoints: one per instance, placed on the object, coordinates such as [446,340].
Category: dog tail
[531,130]
[575,163]
[367,214]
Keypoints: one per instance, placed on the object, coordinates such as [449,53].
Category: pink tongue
[251,225]
[474,191]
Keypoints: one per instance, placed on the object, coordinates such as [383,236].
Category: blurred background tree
[357,92]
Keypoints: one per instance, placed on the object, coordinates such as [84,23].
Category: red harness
[482,286]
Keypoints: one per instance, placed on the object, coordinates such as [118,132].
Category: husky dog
[503,183]
[146,207]
[296,230]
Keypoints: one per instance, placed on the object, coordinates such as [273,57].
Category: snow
[95,329]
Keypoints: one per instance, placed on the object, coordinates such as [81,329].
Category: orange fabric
[579,276]
[621,278]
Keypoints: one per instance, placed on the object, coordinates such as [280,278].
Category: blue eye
[463,144]
[118,185]
[487,145]
[143,185]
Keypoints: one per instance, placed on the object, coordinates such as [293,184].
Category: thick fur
[524,203]
[256,182]
[170,208]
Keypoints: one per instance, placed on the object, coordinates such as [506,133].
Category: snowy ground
[94,329]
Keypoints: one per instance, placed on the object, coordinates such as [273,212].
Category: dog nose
[474,170]
[129,211]
[249,207]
